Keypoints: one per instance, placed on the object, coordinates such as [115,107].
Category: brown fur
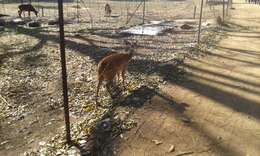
[219,21]
[27,7]
[112,65]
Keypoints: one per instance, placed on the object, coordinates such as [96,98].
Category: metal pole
[201,9]
[194,13]
[78,10]
[227,7]
[38,3]
[3,6]
[223,10]
[64,72]
[42,12]
[143,11]
[126,11]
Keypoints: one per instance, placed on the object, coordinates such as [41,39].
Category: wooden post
[201,10]
[194,12]
[64,72]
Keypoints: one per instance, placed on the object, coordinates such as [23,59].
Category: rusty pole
[64,72]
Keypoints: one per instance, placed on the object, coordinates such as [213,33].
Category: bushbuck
[27,7]
[114,64]
[108,10]
[220,21]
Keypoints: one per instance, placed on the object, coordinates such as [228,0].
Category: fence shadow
[106,131]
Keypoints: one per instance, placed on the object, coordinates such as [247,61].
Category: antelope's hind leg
[123,78]
[118,77]
[110,88]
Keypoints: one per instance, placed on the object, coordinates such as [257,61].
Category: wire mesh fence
[85,15]
[90,32]
[88,19]
[124,12]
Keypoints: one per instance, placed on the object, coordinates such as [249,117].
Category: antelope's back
[26,7]
[114,61]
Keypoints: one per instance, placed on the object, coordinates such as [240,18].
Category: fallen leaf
[171,149]
[157,142]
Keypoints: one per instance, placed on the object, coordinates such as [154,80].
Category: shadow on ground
[106,132]
[102,139]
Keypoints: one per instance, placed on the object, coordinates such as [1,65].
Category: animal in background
[108,10]
[114,64]
[220,21]
[27,7]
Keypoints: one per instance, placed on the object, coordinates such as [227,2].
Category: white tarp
[153,28]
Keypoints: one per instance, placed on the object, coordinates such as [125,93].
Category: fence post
[143,11]
[227,7]
[3,6]
[201,10]
[223,10]
[64,72]
[78,10]
[194,12]
[126,11]
[42,12]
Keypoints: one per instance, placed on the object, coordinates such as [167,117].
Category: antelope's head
[130,46]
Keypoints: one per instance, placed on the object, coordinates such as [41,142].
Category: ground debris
[186,120]
[184,153]
[171,149]
[34,24]
[4,142]
[157,142]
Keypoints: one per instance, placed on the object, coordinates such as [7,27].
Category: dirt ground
[30,98]
[216,111]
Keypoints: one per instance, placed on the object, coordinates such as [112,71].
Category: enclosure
[30,73]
